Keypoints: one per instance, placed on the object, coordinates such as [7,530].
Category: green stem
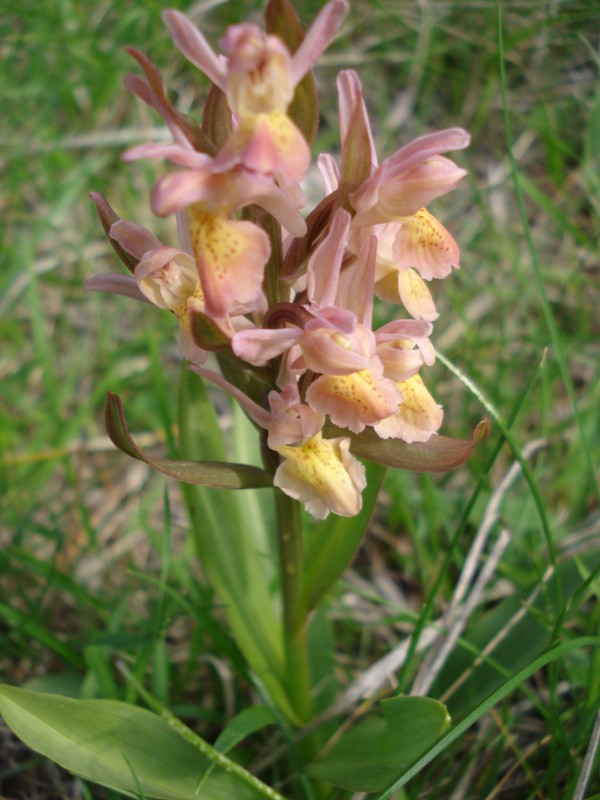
[291,559]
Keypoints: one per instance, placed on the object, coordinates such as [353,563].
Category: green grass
[92,569]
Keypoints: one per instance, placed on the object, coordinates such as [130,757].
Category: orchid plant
[274,304]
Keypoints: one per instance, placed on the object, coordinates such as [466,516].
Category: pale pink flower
[259,76]
[391,199]
[410,179]
[320,473]
[164,276]
[230,254]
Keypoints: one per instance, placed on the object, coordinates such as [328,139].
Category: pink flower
[410,239]
[230,254]
[164,276]
[320,473]
[410,179]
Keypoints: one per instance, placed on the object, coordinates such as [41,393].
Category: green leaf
[369,756]
[335,541]
[225,533]
[242,725]
[115,744]
[439,454]
[204,473]
[494,698]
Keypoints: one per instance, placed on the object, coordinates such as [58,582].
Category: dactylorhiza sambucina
[286,299]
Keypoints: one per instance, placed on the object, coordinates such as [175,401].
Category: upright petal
[326,260]
[195,48]
[318,38]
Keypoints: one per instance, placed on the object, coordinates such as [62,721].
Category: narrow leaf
[239,728]
[204,473]
[370,754]
[225,536]
[439,454]
[115,744]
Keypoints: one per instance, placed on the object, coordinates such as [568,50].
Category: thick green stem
[291,559]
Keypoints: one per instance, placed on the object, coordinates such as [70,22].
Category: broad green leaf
[334,542]
[510,685]
[115,744]
[225,543]
[217,474]
[439,454]
[370,755]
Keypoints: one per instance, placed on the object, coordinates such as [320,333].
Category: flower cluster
[286,301]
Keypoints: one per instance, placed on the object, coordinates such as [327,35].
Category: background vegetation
[92,568]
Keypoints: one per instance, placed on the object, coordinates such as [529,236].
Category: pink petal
[403,329]
[125,285]
[330,172]
[356,285]
[325,261]
[257,413]
[261,345]
[179,190]
[324,351]
[318,38]
[269,144]
[262,191]
[195,48]
[425,147]
[422,242]
[417,417]
[417,187]
[175,153]
[136,239]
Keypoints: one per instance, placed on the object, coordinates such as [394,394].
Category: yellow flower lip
[323,475]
